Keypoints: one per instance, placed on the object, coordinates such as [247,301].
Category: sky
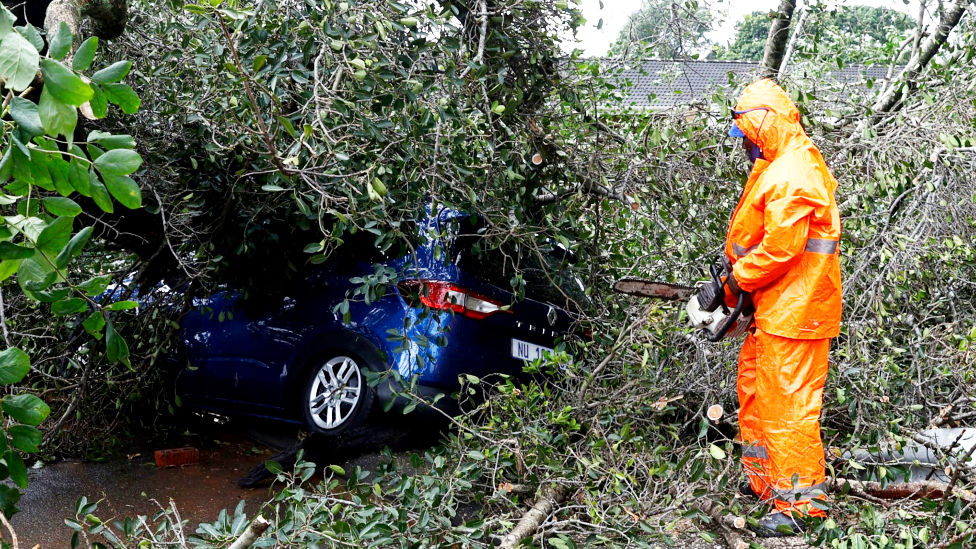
[615,13]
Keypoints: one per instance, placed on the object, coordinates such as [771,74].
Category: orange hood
[776,130]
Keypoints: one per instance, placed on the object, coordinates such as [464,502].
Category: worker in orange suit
[783,246]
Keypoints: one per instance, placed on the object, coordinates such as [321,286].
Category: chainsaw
[718,324]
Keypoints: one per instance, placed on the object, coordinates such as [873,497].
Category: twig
[3,320]
[13,535]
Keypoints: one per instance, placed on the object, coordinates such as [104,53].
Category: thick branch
[929,489]
[779,33]
[257,527]
[789,49]
[892,98]
[729,524]
[549,499]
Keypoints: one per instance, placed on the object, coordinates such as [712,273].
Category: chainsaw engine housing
[713,321]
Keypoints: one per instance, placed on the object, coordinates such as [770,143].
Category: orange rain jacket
[784,235]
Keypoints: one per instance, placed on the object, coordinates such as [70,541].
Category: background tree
[859,32]
[665,29]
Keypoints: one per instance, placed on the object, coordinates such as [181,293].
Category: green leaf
[55,236]
[99,193]
[122,306]
[124,189]
[9,496]
[7,20]
[111,141]
[273,467]
[95,286]
[716,452]
[64,84]
[337,469]
[287,125]
[18,61]
[116,349]
[14,365]
[112,73]
[26,409]
[118,162]
[68,306]
[59,205]
[30,33]
[12,251]
[60,44]
[99,103]
[123,96]
[24,113]
[58,118]
[73,248]
[16,467]
[85,54]
[78,173]
[26,438]
[94,324]
[50,296]
[34,275]
[8,268]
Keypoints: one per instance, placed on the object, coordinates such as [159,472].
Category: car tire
[335,395]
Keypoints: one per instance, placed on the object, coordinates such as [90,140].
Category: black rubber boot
[745,489]
[779,525]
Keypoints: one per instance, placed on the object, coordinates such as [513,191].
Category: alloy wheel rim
[335,392]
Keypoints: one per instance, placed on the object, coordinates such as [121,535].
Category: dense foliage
[49,162]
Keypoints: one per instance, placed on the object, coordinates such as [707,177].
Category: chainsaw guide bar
[656,290]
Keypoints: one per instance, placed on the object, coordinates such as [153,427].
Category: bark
[779,33]
[728,523]
[549,500]
[108,17]
[257,527]
[789,49]
[928,489]
[891,100]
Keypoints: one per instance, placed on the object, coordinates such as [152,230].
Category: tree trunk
[779,33]
[891,100]
[108,17]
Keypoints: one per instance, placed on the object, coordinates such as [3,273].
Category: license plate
[523,350]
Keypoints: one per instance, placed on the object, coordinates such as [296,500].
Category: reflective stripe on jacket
[784,236]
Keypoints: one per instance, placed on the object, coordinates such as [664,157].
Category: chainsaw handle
[730,321]
[735,314]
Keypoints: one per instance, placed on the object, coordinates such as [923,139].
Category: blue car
[307,356]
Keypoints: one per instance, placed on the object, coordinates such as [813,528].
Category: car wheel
[336,395]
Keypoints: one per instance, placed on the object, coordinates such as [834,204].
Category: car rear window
[552,280]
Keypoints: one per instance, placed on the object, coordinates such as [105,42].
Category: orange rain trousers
[780,388]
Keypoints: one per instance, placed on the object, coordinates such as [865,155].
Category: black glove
[711,296]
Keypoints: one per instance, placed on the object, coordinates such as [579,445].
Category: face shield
[754,151]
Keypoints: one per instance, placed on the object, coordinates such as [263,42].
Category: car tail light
[446,296]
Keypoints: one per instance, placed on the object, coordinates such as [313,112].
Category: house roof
[659,84]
